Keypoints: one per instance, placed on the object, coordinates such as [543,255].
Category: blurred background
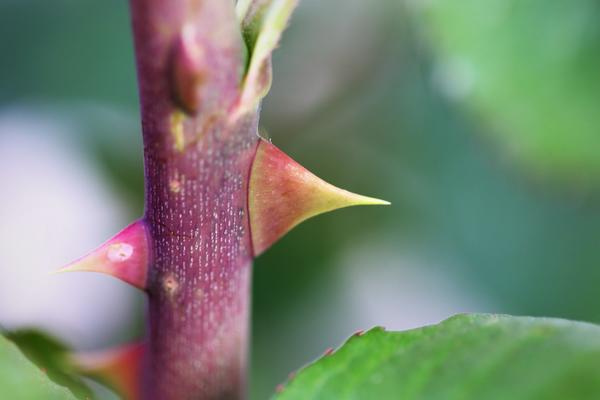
[479,121]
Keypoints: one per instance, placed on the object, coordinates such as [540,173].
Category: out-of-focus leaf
[465,357]
[20,379]
[530,68]
[51,356]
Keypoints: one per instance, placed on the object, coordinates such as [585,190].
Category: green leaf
[263,22]
[530,69]
[50,355]
[465,357]
[20,379]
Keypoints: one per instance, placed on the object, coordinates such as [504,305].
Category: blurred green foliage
[22,380]
[67,50]
[357,99]
[531,68]
[52,357]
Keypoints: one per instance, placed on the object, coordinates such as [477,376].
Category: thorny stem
[196,168]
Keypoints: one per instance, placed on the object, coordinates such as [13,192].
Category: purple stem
[196,207]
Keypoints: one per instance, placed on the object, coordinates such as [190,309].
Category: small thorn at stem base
[118,368]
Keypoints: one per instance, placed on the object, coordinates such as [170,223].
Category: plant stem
[196,167]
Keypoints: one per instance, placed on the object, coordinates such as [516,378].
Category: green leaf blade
[22,380]
[263,22]
[53,357]
[464,357]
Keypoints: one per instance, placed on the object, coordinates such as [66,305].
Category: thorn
[292,375]
[187,70]
[125,256]
[282,194]
[118,368]
[328,352]
[279,388]
[360,332]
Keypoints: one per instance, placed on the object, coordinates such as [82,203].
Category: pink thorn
[125,256]
[279,388]
[328,352]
